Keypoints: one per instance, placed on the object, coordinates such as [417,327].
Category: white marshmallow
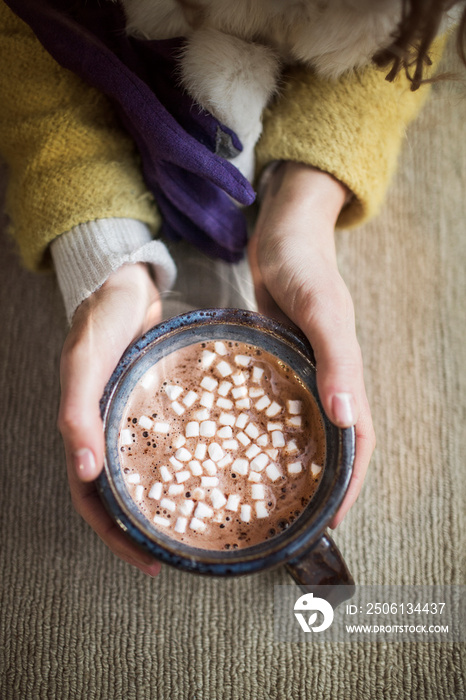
[178,408]
[209,383]
[272,452]
[126,437]
[208,428]
[224,388]
[242,360]
[274,426]
[173,391]
[220,348]
[180,525]
[291,447]
[273,472]
[186,508]
[263,440]
[156,490]
[245,514]
[195,466]
[190,398]
[240,378]
[252,430]
[207,399]
[176,464]
[224,403]
[207,358]
[295,421]
[227,419]
[233,502]
[254,476]
[202,414]
[217,498]
[278,439]
[224,368]
[199,494]
[138,492]
[165,474]
[262,403]
[209,467]
[215,451]
[203,511]
[239,392]
[315,469]
[175,489]
[273,410]
[168,505]
[244,440]
[163,522]
[145,422]
[294,407]
[161,427]
[252,451]
[256,391]
[258,492]
[183,454]
[230,445]
[228,459]
[240,466]
[209,481]
[179,441]
[147,380]
[295,467]
[242,420]
[219,517]
[259,462]
[192,429]
[261,510]
[197,525]
[243,403]
[225,433]
[182,476]
[133,479]
[257,373]
[201,451]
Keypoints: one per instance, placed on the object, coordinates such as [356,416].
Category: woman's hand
[295,273]
[103,326]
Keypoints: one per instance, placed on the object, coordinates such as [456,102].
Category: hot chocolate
[221,445]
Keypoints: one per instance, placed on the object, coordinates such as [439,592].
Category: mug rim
[286,545]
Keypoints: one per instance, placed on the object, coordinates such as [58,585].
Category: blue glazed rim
[291,346]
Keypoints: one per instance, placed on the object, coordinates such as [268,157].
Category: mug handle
[323,565]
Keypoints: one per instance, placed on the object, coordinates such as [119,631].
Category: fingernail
[84,463]
[343,410]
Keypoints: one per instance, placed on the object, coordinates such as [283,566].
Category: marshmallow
[245,513]
[209,383]
[176,464]
[224,388]
[203,511]
[224,368]
[240,466]
[217,498]
[199,494]
[156,490]
[178,408]
[230,445]
[202,414]
[224,403]
[278,439]
[315,469]
[257,373]
[209,467]
[254,476]
[225,433]
[295,467]
[258,492]
[240,378]
[239,392]
[138,492]
[227,419]
[215,451]
[197,525]
[145,422]
[133,479]
[208,428]
[274,426]
[179,441]
[147,380]
[244,440]
[228,459]
[180,525]
[273,410]
[252,430]
[252,451]
[162,428]
[163,522]
[207,399]
[233,502]
[190,398]
[261,510]
[262,440]
[173,392]
[192,429]
[255,392]
[168,505]
[242,420]
[209,481]
[242,360]
[243,403]
[126,437]
[165,474]
[294,407]
[262,403]
[195,466]
[259,462]
[220,348]
[182,476]
[207,358]
[175,489]
[295,421]
[272,452]
[200,451]
[186,508]
[291,447]
[272,472]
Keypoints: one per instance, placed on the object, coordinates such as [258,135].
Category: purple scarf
[182,148]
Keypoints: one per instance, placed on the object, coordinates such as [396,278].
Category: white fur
[231,62]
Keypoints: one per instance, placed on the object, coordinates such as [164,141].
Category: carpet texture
[75,622]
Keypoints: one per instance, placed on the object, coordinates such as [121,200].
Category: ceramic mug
[307,551]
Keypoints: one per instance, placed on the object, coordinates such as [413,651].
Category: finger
[87,503]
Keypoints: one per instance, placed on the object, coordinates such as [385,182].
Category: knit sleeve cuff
[85,257]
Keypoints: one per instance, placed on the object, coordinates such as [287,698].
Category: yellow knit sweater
[71,162]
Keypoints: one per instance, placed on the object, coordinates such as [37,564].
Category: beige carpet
[77,623]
